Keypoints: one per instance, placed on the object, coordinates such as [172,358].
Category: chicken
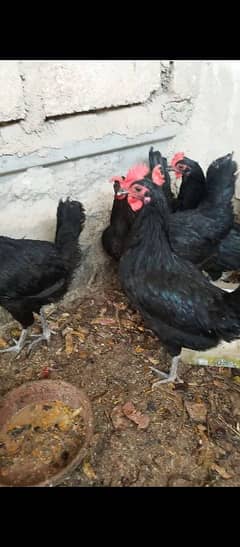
[195,234]
[35,273]
[193,185]
[122,216]
[227,254]
[174,298]
[114,236]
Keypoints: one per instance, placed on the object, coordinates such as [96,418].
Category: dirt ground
[171,435]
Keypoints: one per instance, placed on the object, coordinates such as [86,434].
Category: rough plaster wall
[90,81]
[213,129]
[60,88]
[198,98]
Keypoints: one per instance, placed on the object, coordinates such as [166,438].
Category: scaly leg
[46,332]
[18,344]
[172,376]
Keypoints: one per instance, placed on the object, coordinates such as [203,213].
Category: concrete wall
[67,127]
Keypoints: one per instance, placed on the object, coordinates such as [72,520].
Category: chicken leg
[18,344]
[172,376]
[46,333]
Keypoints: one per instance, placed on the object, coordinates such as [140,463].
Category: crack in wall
[166,74]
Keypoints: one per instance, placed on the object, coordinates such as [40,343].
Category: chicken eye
[137,189]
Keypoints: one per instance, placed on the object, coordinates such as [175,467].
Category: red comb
[178,157]
[138,172]
[157,177]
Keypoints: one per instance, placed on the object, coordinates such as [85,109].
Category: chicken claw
[19,344]
[172,376]
[46,333]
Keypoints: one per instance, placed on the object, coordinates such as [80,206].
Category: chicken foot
[46,333]
[19,344]
[172,376]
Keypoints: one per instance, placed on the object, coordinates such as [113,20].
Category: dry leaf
[66,330]
[218,383]
[135,416]
[83,354]
[3,343]
[68,343]
[153,361]
[120,306]
[89,471]
[201,427]
[236,379]
[103,321]
[196,411]
[80,334]
[127,324]
[235,400]
[221,471]
[77,412]
[118,419]
[15,333]
[138,349]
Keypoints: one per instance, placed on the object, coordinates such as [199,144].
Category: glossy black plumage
[35,273]
[114,236]
[193,185]
[175,299]
[226,256]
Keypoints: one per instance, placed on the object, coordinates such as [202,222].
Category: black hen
[35,273]
[114,236]
[192,191]
[193,185]
[122,216]
[195,234]
[226,256]
[175,299]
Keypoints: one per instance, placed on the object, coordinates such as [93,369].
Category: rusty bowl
[44,391]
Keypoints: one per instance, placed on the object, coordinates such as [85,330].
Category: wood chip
[103,321]
[68,343]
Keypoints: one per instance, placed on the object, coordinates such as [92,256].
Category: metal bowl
[44,391]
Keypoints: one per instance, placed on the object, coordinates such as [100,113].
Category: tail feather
[154,158]
[70,217]
[70,223]
[220,180]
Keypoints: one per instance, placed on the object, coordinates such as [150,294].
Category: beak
[170,168]
[122,192]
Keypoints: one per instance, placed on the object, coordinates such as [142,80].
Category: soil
[171,435]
